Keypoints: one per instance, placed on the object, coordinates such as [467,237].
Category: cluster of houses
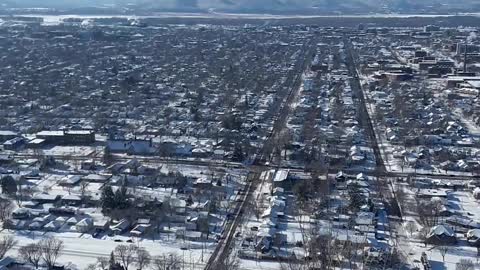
[329,107]
[413,114]
[13,141]
[61,214]
[449,219]
[369,227]
[147,103]
[62,200]
[266,238]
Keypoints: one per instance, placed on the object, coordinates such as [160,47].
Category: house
[120,227]
[62,211]
[21,213]
[441,235]
[365,218]
[132,147]
[71,200]
[431,193]
[340,176]
[280,179]
[36,225]
[6,159]
[140,229]
[73,220]
[67,137]
[101,224]
[96,178]
[43,198]
[88,165]
[14,144]
[218,154]
[70,180]
[6,135]
[82,137]
[36,143]
[178,205]
[52,226]
[201,152]
[84,225]
[473,237]
[16,224]
[203,183]
[8,263]
[189,235]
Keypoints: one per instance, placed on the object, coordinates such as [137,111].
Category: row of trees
[47,250]
[126,256]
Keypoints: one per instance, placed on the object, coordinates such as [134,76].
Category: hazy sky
[251,4]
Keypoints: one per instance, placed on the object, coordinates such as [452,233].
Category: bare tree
[292,265]
[6,209]
[160,263]
[424,235]
[401,196]
[83,189]
[168,262]
[465,264]
[126,254]
[411,227]
[31,253]
[103,263]
[92,266]
[51,249]
[228,263]
[174,261]
[143,258]
[443,251]
[6,244]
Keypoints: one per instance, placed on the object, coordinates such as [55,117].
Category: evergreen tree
[8,185]
[121,199]
[108,198]
[189,200]
[107,155]
[238,154]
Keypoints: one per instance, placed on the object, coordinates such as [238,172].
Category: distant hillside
[264,6]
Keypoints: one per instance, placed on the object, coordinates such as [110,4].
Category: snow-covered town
[174,143]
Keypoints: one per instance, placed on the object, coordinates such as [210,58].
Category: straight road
[225,246]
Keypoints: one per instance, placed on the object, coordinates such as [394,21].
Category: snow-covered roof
[475,233]
[440,230]
[86,222]
[280,176]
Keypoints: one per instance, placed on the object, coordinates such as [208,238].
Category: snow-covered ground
[82,250]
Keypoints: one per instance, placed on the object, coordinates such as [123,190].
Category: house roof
[71,197]
[475,233]
[281,175]
[86,222]
[5,262]
[441,230]
[50,133]
[45,197]
[7,133]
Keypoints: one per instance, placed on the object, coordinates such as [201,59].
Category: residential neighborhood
[144,143]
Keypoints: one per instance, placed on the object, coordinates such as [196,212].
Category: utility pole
[465,56]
